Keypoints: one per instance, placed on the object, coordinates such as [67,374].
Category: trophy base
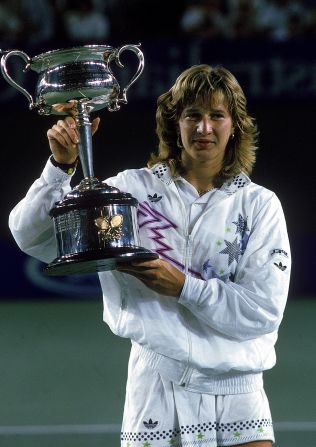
[97,261]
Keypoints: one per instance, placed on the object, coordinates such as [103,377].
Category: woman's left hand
[158,275]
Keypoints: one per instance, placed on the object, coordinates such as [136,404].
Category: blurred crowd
[45,22]
[277,20]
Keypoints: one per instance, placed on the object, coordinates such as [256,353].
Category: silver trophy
[95,224]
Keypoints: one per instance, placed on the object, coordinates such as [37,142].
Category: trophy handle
[135,49]
[7,77]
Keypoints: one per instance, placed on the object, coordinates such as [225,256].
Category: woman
[203,318]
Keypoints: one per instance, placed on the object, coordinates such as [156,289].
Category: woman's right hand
[63,138]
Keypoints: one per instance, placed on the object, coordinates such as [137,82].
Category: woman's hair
[204,82]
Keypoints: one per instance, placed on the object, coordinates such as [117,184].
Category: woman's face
[205,129]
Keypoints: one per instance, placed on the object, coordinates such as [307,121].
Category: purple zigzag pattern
[156,222]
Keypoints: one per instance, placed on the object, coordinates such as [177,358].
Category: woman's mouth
[203,142]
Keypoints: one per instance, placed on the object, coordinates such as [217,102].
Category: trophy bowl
[95,224]
[74,74]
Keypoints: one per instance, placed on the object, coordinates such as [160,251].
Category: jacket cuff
[69,168]
[53,174]
[191,291]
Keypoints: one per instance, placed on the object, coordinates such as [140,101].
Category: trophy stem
[85,139]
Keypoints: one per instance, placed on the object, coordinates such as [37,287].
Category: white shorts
[158,413]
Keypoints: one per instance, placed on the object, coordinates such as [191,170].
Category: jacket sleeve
[253,303]
[29,221]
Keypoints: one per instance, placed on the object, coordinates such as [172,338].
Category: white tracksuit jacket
[220,334]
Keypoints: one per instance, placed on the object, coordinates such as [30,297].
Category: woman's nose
[205,126]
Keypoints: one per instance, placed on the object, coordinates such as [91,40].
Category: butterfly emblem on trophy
[109,227]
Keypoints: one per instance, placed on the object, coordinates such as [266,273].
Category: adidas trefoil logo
[154,198]
[150,424]
[280,266]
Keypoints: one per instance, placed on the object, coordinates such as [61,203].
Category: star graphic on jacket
[207,265]
[233,251]
[241,225]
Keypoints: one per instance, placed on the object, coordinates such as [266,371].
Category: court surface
[63,375]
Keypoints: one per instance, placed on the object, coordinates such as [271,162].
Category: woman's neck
[201,175]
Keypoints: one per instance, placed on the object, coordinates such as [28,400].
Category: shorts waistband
[195,381]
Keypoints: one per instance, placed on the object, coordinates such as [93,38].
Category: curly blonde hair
[204,82]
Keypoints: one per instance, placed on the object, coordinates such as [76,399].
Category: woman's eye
[216,116]
[192,116]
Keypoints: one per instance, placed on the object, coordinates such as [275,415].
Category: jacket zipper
[187,235]
[187,371]
[186,376]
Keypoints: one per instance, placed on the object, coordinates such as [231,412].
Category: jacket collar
[235,183]
[162,172]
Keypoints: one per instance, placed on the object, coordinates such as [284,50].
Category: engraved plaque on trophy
[95,224]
